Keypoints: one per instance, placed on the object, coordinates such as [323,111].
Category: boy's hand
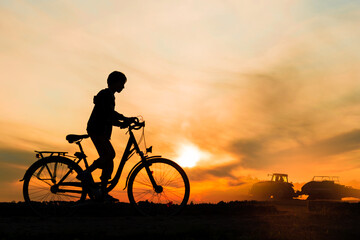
[132,120]
[124,123]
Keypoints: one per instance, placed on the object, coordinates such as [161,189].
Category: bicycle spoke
[52,187]
[177,195]
[141,196]
[44,181]
[145,184]
[169,199]
[39,191]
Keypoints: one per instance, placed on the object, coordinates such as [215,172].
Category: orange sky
[255,87]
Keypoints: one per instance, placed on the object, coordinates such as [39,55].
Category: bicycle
[155,185]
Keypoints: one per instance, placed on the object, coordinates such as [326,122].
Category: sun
[189,155]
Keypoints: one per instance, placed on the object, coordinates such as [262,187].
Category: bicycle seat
[71,138]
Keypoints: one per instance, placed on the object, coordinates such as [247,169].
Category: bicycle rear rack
[40,154]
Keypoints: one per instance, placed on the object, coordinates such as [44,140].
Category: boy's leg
[106,175]
[106,155]
[105,162]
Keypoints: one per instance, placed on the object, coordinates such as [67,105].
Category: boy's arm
[118,116]
[119,120]
[122,121]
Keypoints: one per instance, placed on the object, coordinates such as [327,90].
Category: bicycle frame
[131,148]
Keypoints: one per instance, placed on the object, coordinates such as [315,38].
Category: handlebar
[131,123]
[136,125]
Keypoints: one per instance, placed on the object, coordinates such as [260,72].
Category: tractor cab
[279,177]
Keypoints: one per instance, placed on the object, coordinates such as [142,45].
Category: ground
[234,220]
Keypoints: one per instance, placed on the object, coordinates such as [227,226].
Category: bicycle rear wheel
[174,188]
[51,187]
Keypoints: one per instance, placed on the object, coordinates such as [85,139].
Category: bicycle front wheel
[51,187]
[171,195]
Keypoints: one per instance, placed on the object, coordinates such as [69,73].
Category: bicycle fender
[136,165]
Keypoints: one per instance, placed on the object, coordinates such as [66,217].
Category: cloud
[12,169]
[218,171]
[339,144]
[15,156]
[252,154]
[302,103]
[238,182]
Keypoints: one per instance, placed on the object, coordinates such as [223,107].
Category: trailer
[328,187]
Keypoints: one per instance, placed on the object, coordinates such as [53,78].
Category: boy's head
[116,81]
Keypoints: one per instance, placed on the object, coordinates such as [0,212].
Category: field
[234,220]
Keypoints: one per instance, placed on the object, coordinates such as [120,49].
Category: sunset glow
[231,90]
[189,156]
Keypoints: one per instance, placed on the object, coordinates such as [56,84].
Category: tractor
[278,188]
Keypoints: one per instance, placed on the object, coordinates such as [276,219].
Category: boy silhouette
[99,128]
